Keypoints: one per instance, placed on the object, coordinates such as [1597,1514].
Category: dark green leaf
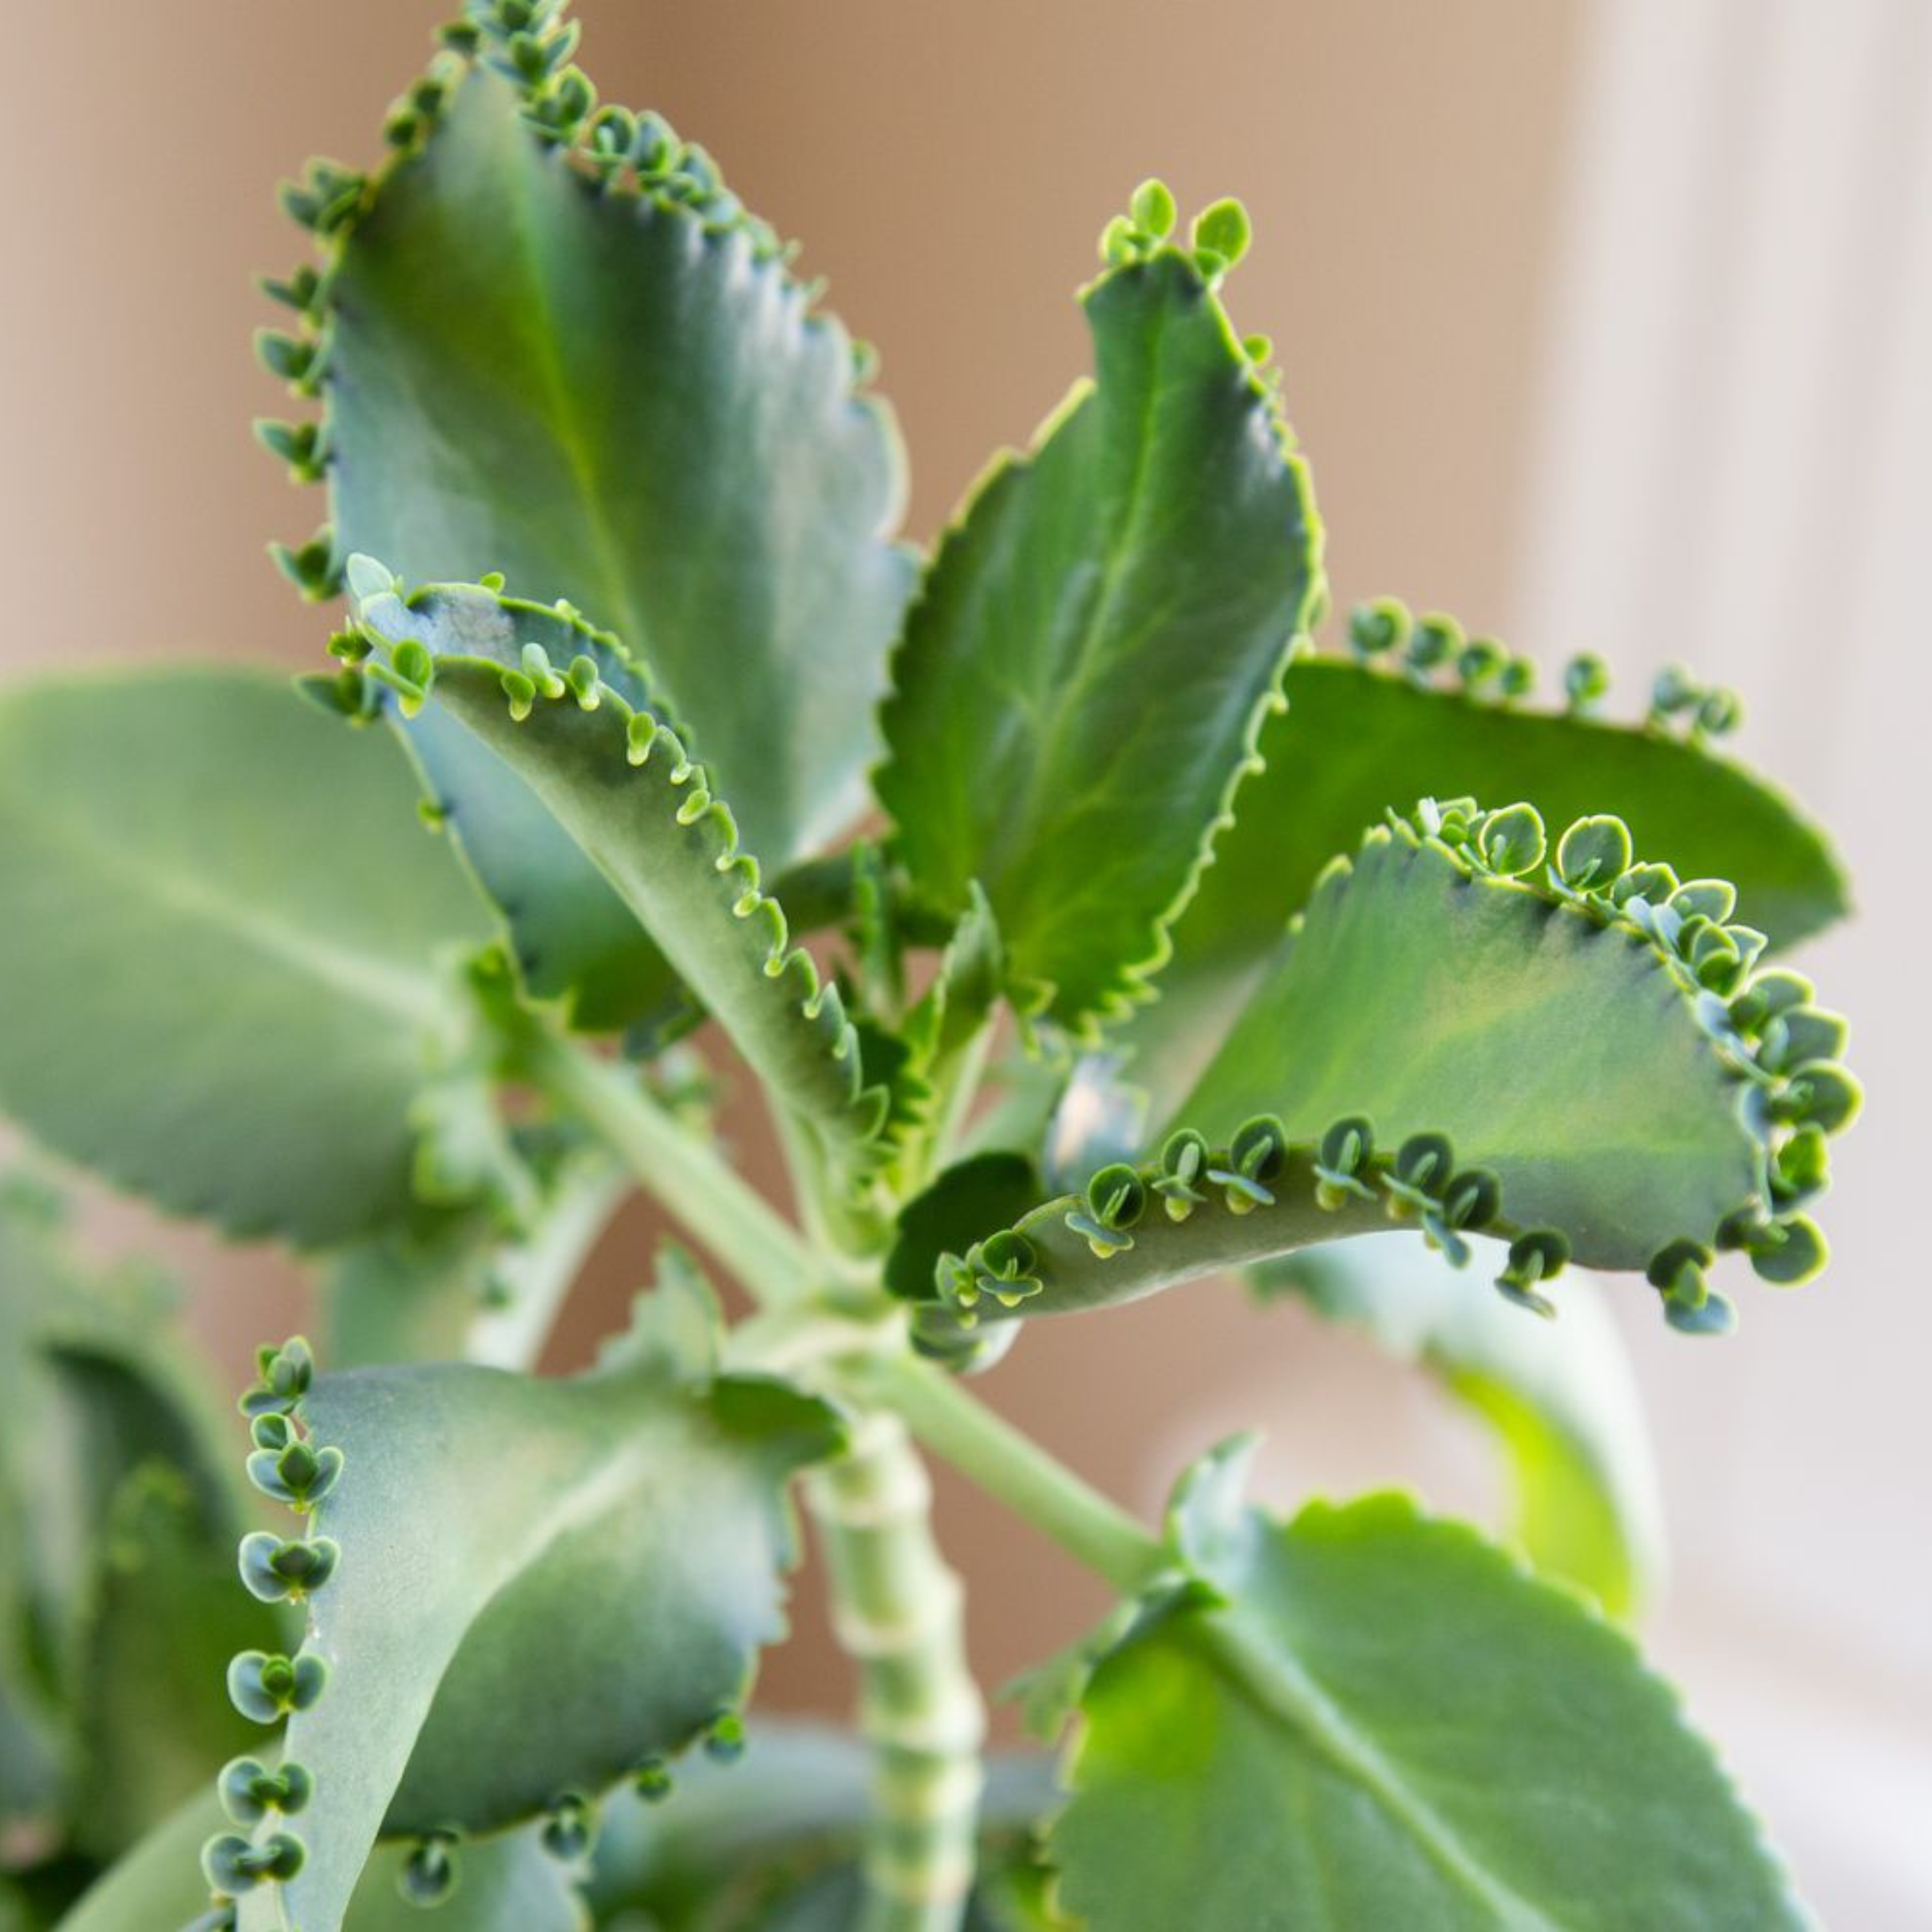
[575,941]
[1079,686]
[1356,741]
[621,396]
[1485,1054]
[163,1618]
[985,1190]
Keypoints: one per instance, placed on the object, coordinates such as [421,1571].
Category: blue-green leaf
[221,947]
[505,1633]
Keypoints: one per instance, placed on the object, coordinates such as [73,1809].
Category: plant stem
[898,1608]
[1010,1465]
[678,1169]
[541,1270]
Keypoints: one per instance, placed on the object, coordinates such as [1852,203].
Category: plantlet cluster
[1087,928]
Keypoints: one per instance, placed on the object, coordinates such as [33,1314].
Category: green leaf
[464,1287]
[1355,741]
[1479,1052]
[598,1597]
[614,391]
[94,1388]
[508,1883]
[1558,1043]
[985,1190]
[1383,1722]
[1079,686]
[528,682]
[220,943]
[575,941]
[1586,1506]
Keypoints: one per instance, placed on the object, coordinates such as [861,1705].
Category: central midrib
[387,989]
[1290,1695]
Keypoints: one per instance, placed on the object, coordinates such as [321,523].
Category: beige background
[1458,256]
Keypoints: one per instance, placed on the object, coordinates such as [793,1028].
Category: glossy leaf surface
[506,1629]
[617,394]
[1386,1723]
[224,922]
[1356,741]
[1560,1054]
[1080,681]
[1559,1397]
[1448,1039]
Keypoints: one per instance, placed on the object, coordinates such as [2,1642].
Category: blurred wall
[1416,176]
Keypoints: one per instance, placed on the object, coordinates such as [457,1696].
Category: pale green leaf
[220,948]
[1079,685]
[1383,1722]
[1586,1506]
[773,1839]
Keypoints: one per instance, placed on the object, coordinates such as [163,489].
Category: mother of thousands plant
[1148,942]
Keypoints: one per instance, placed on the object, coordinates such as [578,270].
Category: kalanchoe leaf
[1359,737]
[1561,1398]
[1788,1252]
[1512,842]
[431,1873]
[1024,752]
[268,1687]
[275,1569]
[684,340]
[1294,1680]
[982,1192]
[570,1827]
[1593,852]
[196,976]
[1588,1095]
[448,1616]
[250,1790]
[620,783]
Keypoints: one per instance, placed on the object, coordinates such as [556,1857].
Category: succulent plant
[1088,927]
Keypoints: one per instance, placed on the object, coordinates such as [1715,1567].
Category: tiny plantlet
[1093,913]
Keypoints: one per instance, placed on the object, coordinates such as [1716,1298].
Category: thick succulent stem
[898,1608]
